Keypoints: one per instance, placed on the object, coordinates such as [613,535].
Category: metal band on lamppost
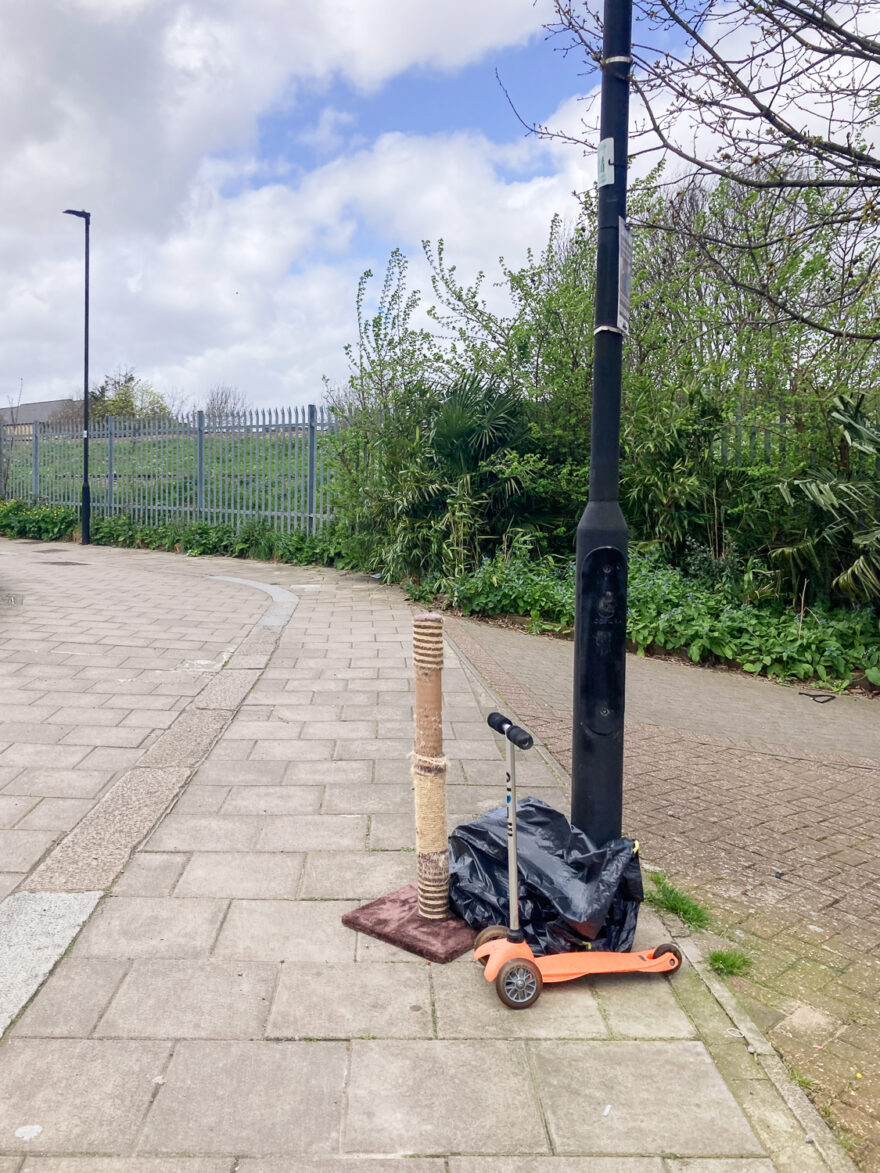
[86,489]
[602,538]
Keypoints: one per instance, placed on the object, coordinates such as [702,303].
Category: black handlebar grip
[506,728]
[519,737]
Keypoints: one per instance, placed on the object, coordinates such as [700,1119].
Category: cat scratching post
[417,917]
[429,769]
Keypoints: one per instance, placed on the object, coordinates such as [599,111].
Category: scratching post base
[395,919]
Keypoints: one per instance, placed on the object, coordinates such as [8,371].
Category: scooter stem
[515,933]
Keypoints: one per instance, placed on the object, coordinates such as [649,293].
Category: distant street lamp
[86,491]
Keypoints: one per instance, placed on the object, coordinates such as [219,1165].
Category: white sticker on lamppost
[624,273]
[605,162]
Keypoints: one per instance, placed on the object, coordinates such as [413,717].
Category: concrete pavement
[764,805]
[213,1015]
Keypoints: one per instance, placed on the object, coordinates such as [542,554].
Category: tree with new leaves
[778,97]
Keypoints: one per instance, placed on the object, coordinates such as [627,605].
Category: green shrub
[49,523]
[114,531]
[670,612]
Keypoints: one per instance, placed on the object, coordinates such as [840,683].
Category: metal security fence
[270,464]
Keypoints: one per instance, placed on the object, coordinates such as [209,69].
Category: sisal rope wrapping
[429,769]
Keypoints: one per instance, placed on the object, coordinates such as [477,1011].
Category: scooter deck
[564,967]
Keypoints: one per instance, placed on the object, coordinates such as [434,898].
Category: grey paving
[346,1000]
[86,1096]
[439,1097]
[637,1097]
[237,1097]
[34,932]
[214,1014]
[211,999]
[135,926]
[70,1005]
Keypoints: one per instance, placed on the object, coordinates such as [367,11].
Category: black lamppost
[601,556]
[86,491]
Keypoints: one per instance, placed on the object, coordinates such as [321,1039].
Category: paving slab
[468,1007]
[278,930]
[52,782]
[21,850]
[347,1000]
[511,1164]
[354,797]
[55,814]
[150,874]
[328,773]
[269,800]
[181,832]
[313,833]
[70,1005]
[233,773]
[212,999]
[242,875]
[291,751]
[578,1081]
[139,926]
[249,1097]
[342,1165]
[86,1095]
[342,875]
[35,929]
[641,1006]
[437,1097]
[126,1165]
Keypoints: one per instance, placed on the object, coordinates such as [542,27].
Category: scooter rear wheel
[484,936]
[674,950]
[519,983]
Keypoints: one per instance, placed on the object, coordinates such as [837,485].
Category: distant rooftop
[33,413]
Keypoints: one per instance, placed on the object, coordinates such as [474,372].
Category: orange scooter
[507,960]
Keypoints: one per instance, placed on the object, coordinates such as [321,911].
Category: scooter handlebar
[503,725]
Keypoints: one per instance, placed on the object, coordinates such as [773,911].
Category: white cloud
[146,111]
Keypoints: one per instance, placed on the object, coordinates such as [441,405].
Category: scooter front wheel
[484,936]
[519,983]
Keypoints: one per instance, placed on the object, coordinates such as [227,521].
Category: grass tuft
[728,962]
[668,898]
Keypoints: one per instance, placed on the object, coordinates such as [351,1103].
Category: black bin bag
[572,894]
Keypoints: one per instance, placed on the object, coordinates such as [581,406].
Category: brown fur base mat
[395,919]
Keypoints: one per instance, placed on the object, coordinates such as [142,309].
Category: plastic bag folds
[572,894]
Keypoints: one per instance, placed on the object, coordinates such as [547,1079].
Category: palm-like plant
[450,497]
[844,521]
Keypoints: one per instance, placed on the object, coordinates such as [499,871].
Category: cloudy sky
[244,163]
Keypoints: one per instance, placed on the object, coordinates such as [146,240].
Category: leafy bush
[255,539]
[669,612]
[50,523]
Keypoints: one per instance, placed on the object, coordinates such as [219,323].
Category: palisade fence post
[111,470]
[35,487]
[2,466]
[310,506]
[200,465]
